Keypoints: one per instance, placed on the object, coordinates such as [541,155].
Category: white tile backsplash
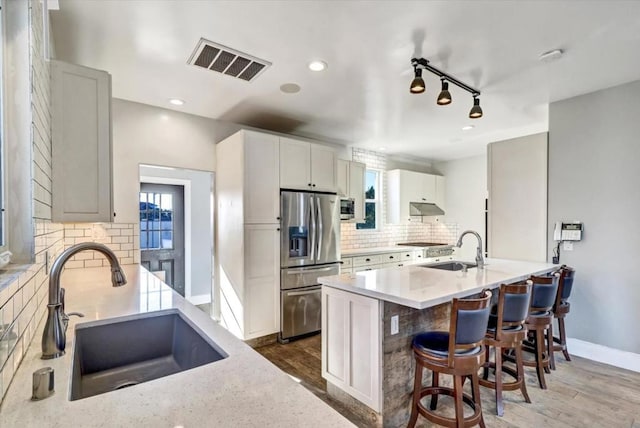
[391,234]
[122,238]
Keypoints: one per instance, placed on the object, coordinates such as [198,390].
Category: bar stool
[540,324]
[506,332]
[457,352]
[560,310]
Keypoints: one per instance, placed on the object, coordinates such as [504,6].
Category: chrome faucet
[479,258]
[55,330]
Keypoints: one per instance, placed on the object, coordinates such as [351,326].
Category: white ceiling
[363,97]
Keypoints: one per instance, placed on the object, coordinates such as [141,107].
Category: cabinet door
[428,188]
[262,280]
[323,168]
[261,178]
[81,144]
[351,341]
[342,176]
[295,164]
[440,189]
[357,172]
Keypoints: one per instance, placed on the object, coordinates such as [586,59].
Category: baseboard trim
[603,354]
[200,299]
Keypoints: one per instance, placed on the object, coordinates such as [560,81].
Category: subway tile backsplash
[122,238]
[391,234]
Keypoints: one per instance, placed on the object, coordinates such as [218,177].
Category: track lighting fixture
[418,86]
[445,96]
[476,110]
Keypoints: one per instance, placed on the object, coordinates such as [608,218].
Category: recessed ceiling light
[317,65]
[468,127]
[551,55]
[176,101]
[382,149]
[290,88]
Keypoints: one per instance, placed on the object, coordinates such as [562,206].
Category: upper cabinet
[81,144]
[409,187]
[351,176]
[261,178]
[307,166]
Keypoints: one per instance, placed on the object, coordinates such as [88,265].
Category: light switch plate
[395,327]
[567,246]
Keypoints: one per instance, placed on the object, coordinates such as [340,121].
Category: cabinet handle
[390,257]
[314,185]
[367,260]
[277,218]
[278,229]
[408,255]
[424,199]
[309,184]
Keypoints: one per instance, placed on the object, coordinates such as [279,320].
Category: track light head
[417,84]
[476,110]
[445,96]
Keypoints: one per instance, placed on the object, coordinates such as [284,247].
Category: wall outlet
[567,246]
[395,324]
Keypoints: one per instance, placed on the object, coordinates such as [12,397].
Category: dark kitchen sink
[121,352]
[453,265]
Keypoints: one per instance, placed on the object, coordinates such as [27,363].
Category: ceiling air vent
[227,61]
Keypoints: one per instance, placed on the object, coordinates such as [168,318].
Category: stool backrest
[513,305]
[543,295]
[566,282]
[468,325]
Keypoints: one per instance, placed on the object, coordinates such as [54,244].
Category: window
[372,199]
[156,221]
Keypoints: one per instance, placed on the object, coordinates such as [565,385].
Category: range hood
[424,209]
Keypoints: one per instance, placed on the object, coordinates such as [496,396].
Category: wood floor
[581,394]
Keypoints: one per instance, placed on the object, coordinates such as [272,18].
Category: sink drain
[126,384]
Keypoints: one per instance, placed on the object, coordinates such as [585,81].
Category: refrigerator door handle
[313,232]
[320,229]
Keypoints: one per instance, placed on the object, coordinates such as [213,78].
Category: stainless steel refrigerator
[309,248]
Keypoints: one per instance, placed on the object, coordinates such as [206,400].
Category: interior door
[162,232]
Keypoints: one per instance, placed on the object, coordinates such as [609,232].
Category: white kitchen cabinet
[262,178]
[307,166]
[350,184]
[81,144]
[351,344]
[262,274]
[248,237]
[357,172]
[342,178]
[405,187]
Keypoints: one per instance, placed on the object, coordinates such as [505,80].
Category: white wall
[143,134]
[201,218]
[594,176]
[466,190]
[517,185]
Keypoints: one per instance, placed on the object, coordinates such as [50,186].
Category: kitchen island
[243,389]
[369,319]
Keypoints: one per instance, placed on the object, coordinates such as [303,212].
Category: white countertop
[242,390]
[420,287]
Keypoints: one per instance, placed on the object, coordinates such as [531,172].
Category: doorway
[162,249]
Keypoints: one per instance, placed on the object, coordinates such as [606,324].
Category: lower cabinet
[351,344]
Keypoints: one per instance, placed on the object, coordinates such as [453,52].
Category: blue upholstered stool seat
[437,343]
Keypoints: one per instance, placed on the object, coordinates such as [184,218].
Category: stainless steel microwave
[347,209]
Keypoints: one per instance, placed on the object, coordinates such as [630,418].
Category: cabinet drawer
[406,256]
[370,267]
[391,257]
[346,270]
[399,263]
[367,260]
[347,262]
